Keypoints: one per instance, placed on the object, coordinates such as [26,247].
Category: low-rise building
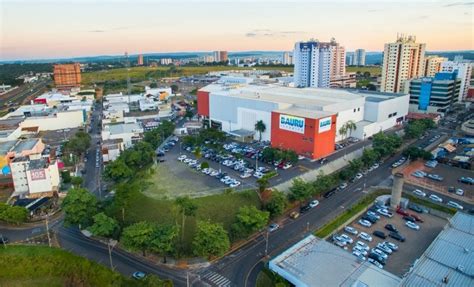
[343,81]
[111,149]
[129,133]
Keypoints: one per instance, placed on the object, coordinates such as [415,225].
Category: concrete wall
[62,120]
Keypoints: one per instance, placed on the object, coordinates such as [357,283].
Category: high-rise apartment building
[312,64]
[464,71]
[402,60]
[140,60]
[67,75]
[338,59]
[287,58]
[359,57]
[166,61]
[433,65]
[220,56]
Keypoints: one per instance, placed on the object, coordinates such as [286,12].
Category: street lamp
[110,245]
[266,243]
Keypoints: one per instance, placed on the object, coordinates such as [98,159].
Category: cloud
[373,10]
[96,31]
[459,4]
[108,30]
[423,17]
[270,33]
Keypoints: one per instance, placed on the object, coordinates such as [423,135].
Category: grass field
[374,71]
[145,73]
[220,208]
[43,266]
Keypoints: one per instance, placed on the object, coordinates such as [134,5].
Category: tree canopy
[103,225]
[210,239]
[79,206]
[138,236]
[248,220]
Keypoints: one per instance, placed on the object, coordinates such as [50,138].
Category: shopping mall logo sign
[291,123]
[324,124]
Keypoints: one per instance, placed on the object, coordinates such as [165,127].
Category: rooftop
[6,146]
[316,262]
[37,164]
[449,258]
[311,114]
[124,128]
[26,144]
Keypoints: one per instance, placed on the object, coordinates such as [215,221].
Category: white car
[359,176]
[375,262]
[343,185]
[459,191]
[365,236]
[205,171]
[360,250]
[340,239]
[455,205]
[359,255]
[436,198]
[182,157]
[186,160]
[380,253]
[419,192]
[287,166]
[384,248]
[371,213]
[245,175]
[225,178]
[235,184]
[375,166]
[365,223]
[313,203]
[214,173]
[347,238]
[351,230]
[412,225]
[362,245]
[391,245]
[385,212]
[258,175]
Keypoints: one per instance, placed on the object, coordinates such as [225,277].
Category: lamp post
[266,243]
[110,245]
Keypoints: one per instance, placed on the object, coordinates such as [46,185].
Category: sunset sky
[56,29]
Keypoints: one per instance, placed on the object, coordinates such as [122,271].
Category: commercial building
[220,56]
[433,65]
[345,81]
[449,260]
[34,176]
[312,64]
[129,133]
[140,60]
[402,61]
[67,75]
[464,70]
[18,148]
[433,94]
[315,262]
[111,149]
[287,58]
[306,120]
[359,57]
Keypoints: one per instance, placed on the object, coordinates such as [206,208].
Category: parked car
[369,218]
[435,177]
[380,253]
[329,193]
[415,208]
[459,191]
[435,198]
[347,238]
[363,245]
[373,214]
[359,176]
[365,223]
[313,203]
[385,212]
[412,225]
[339,239]
[419,193]
[351,230]
[138,275]
[360,249]
[384,248]
[379,234]
[294,214]
[416,217]
[272,227]
[397,236]
[455,205]
[466,180]
[391,245]
[343,185]
[409,218]
[375,262]
[304,208]
[365,236]
[391,227]
[377,258]
[402,211]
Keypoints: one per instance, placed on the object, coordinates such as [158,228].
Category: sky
[36,29]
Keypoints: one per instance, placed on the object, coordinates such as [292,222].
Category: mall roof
[449,260]
[316,262]
[311,114]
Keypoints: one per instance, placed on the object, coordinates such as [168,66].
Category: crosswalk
[216,279]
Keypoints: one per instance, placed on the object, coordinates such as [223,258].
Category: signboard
[325,124]
[38,174]
[291,123]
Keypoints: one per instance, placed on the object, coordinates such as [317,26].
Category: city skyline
[36,30]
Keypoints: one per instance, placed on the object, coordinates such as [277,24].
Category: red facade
[311,144]
[203,103]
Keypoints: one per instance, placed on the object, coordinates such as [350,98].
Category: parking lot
[417,241]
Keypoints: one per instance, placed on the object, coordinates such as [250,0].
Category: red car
[416,217]
[402,211]
[281,165]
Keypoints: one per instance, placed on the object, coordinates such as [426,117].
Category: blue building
[434,95]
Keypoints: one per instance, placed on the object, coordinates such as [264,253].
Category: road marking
[216,279]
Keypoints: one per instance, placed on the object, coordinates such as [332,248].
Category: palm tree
[343,131]
[351,126]
[186,208]
[260,128]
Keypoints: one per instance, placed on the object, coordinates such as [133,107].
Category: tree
[79,206]
[249,220]
[138,236]
[163,240]
[117,171]
[323,183]
[369,157]
[13,214]
[189,114]
[210,239]
[204,165]
[414,153]
[66,176]
[153,85]
[350,126]
[187,208]
[343,131]
[260,127]
[299,190]
[76,181]
[78,144]
[174,88]
[277,203]
[103,225]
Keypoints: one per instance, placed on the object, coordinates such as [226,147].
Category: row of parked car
[222,176]
[438,199]
[256,153]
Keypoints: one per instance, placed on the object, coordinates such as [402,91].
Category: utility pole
[47,231]
[266,244]
[187,279]
[110,246]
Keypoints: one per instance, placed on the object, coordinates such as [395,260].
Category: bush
[204,165]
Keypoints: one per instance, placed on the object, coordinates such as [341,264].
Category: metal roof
[449,258]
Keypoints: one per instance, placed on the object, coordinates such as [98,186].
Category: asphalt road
[92,177]
[17,96]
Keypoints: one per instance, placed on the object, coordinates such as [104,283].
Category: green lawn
[374,71]
[43,266]
[144,73]
[220,208]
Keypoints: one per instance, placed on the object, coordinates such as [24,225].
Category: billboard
[38,174]
[325,124]
[291,123]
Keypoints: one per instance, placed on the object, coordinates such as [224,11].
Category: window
[354,110]
[358,109]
